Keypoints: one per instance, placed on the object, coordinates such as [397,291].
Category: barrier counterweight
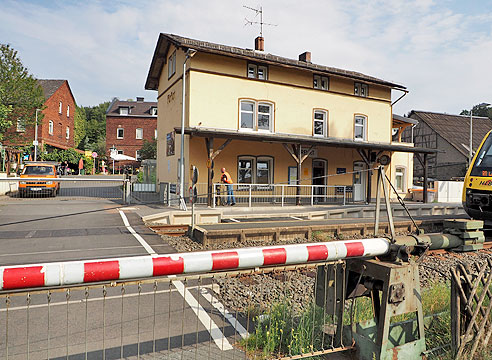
[80,272]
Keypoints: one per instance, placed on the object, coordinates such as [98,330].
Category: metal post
[214,195]
[312,195]
[181,158]
[470,150]
[425,179]
[249,201]
[282,195]
[299,165]
[36,138]
[344,195]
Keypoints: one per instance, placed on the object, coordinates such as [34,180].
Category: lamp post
[470,154]
[189,54]
[36,137]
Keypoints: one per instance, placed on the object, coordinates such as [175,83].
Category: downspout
[405,92]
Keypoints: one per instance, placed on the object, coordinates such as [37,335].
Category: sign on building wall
[170,144]
[312,154]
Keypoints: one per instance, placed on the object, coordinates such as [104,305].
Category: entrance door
[319,178]
[359,181]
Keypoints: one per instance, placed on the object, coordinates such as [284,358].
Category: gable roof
[138,108]
[455,129]
[164,41]
[50,86]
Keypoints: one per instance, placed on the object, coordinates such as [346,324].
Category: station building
[264,117]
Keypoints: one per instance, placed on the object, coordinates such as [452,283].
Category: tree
[149,150]
[95,128]
[479,110]
[20,94]
[80,124]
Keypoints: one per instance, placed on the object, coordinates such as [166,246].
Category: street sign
[35,143]
[194,175]
[172,188]
[94,154]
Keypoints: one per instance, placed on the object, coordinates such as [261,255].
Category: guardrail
[222,304]
[282,193]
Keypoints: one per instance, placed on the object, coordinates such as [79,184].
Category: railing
[276,310]
[112,188]
[283,194]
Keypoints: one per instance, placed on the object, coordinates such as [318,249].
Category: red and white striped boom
[81,272]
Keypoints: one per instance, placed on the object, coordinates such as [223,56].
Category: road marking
[136,235]
[219,338]
[31,234]
[218,305]
[235,220]
[114,297]
[296,218]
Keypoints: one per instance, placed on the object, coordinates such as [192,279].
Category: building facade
[56,129]
[450,134]
[269,119]
[128,124]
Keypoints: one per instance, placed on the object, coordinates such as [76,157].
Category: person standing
[226,179]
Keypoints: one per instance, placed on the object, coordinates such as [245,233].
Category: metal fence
[118,189]
[261,194]
[274,312]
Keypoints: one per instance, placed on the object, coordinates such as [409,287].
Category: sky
[441,50]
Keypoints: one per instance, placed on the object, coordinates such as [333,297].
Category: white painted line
[296,218]
[136,235]
[219,338]
[235,220]
[117,297]
[218,305]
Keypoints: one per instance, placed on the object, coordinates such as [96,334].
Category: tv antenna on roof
[258,11]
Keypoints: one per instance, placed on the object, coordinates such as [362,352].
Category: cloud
[104,48]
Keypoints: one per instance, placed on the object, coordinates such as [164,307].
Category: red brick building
[57,126]
[128,124]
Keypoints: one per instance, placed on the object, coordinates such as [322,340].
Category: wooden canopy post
[296,153]
[425,178]
[211,155]
[366,158]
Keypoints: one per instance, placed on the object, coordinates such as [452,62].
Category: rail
[282,193]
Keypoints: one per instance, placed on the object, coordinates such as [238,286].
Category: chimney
[260,43]
[305,56]
[140,99]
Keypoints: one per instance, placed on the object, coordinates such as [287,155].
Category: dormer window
[320,82]
[124,110]
[153,111]
[256,71]
[361,89]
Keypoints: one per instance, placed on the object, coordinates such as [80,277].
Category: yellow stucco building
[264,117]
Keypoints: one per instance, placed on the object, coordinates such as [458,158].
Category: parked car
[36,169]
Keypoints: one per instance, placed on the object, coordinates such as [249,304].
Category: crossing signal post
[193,194]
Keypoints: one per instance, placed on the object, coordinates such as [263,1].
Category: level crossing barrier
[237,303]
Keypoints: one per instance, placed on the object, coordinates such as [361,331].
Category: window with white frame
[119,133]
[245,170]
[320,123]
[257,116]
[320,82]
[155,133]
[137,155]
[68,110]
[60,107]
[124,110]
[67,132]
[139,133]
[257,71]
[361,89]
[153,111]
[171,65]
[264,170]
[360,124]
[255,170]
[50,127]
[21,127]
[400,179]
